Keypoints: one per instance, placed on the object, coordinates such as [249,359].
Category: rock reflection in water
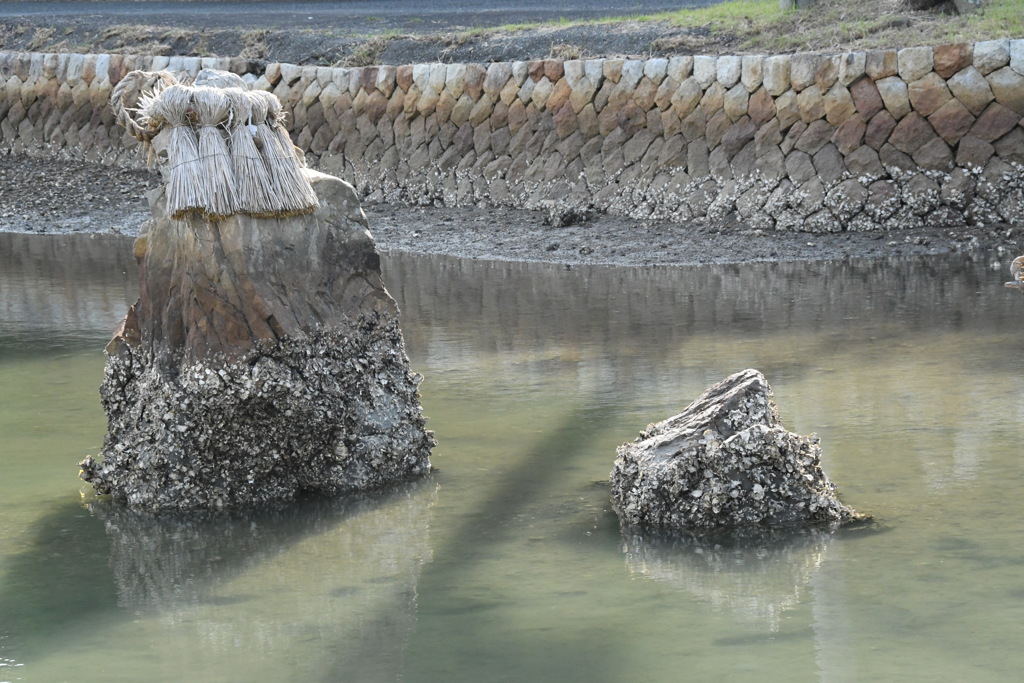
[756,578]
[341,573]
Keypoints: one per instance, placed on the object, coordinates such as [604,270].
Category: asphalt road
[364,16]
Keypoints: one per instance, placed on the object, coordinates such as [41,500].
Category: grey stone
[990,55]
[799,167]
[776,74]
[914,62]
[725,462]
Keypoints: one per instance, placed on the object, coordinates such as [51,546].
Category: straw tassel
[254,188]
[293,188]
[174,106]
[217,187]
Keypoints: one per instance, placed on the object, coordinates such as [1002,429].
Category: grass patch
[761,26]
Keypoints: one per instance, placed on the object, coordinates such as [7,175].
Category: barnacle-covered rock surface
[263,360]
[725,462]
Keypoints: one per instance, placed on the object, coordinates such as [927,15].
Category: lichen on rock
[725,462]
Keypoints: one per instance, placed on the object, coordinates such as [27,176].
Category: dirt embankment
[337,39]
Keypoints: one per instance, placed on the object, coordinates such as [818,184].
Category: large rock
[725,462]
[262,361]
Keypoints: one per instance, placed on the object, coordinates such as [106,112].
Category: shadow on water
[457,634]
[99,564]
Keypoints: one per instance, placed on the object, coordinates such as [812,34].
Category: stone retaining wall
[858,141]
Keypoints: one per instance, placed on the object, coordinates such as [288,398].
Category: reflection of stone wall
[864,140]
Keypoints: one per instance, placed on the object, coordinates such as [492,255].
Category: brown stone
[717,125]
[879,128]
[995,122]
[403,77]
[786,109]
[910,133]
[948,59]
[828,72]
[761,107]
[971,88]
[839,104]
[607,120]
[687,97]
[473,83]
[951,121]
[516,116]
[631,118]
[374,108]
[644,93]
[445,104]
[587,121]
[850,134]
[866,98]
[928,93]
[559,95]
[667,88]
[815,137]
[554,69]
[879,64]
[713,99]
[535,69]
[670,122]
[1008,87]
[810,104]
[612,69]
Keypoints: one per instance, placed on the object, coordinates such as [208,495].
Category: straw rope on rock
[225,149]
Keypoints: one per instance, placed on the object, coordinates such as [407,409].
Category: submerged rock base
[725,462]
[325,413]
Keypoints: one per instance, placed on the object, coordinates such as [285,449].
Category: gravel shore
[50,196]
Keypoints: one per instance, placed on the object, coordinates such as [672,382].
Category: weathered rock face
[263,360]
[725,462]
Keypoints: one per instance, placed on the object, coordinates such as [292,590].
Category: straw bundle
[292,187]
[173,108]
[254,188]
[217,191]
[228,150]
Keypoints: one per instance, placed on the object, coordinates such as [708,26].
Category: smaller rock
[725,462]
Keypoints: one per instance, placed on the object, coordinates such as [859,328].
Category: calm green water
[507,564]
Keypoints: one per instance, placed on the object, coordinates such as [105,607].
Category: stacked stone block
[883,139]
